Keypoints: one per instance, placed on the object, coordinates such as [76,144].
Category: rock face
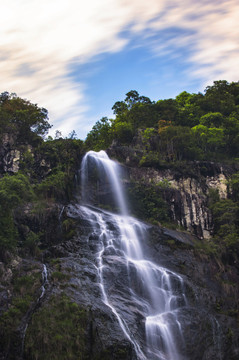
[12,154]
[186,196]
[9,155]
[186,191]
[209,321]
[209,325]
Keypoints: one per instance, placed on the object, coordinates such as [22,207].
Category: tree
[132,97]
[167,109]
[209,139]
[58,135]
[225,216]
[72,135]
[234,186]
[178,143]
[122,131]
[100,137]
[25,119]
[218,97]
[212,119]
[119,108]
[183,98]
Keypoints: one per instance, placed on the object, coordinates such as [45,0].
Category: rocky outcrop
[13,154]
[186,190]
[9,155]
[209,322]
[186,196]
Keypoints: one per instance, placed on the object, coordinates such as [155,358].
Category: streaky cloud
[40,40]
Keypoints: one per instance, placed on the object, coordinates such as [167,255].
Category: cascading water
[150,318]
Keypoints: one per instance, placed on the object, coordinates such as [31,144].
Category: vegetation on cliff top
[189,127]
[167,133]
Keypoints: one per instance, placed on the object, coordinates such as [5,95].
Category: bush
[14,190]
[147,202]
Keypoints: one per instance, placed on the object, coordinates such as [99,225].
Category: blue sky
[78,58]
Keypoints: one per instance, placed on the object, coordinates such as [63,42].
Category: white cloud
[41,39]
[211,36]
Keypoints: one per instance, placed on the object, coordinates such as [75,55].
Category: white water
[156,293]
[44,282]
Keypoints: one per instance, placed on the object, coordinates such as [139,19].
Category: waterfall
[44,282]
[137,290]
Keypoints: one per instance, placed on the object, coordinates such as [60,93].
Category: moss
[57,331]
[60,276]
[55,261]
[171,243]
[115,352]
[25,291]
[27,284]
[69,228]
[229,335]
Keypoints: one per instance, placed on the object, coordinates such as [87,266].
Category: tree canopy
[19,116]
[190,127]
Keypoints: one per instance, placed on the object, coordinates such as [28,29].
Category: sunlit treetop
[19,116]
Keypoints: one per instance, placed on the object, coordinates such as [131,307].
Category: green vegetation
[25,291]
[46,171]
[57,331]
[14,190]
[189,127]
[226,232]
[147,202]
[171,133]
[225,212]
[167,133]
[24,120]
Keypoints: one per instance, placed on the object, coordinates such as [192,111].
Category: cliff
[51,300]
[186,187]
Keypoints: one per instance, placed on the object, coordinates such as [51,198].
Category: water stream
[156,293]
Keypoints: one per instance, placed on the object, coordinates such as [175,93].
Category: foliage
[31,243]
[212,119]
[52,186]
[14,190]
[24,292]
[174,132]
[234,186]
[57,331]
[63,154]
[19,116]
[225,213]
[62,157]
[150,159]
[226,228]
[190,127]
[147,202]
[122,131]
[178,143]
[100,137]
[147,135]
